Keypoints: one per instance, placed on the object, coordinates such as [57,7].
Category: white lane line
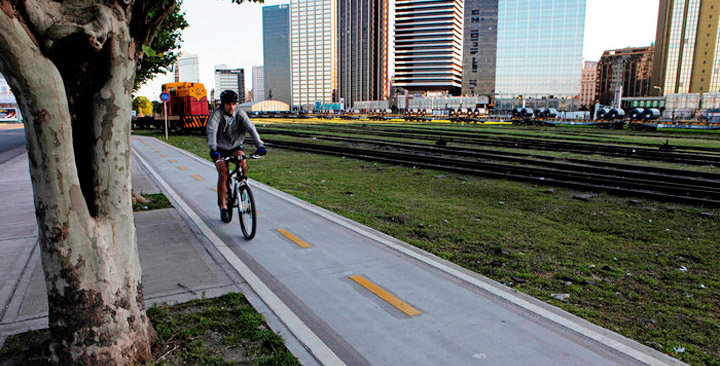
[302,332]
[639,352]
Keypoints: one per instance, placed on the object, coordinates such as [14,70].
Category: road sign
[165,97]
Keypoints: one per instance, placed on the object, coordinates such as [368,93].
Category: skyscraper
[276,53]
[588,83]
[629,68]
[313,49]
[258,77]
[362,50]
[539,47]
[187,68]
[687,47]
[428,45]
[230,79]
[480,47]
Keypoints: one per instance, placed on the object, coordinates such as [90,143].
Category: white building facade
[229,79]
[313,32]
[258,77]
[428,45]
[187,68]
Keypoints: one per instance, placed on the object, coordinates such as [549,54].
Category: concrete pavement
[354,296]
[12,141]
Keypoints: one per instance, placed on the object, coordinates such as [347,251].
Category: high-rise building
[480,47]
[687,47]
[230,79]
[187,68]
[258,77]
[588,85]
[362,50]
[539,48]
[313,50]
[629,68]
[276,53]
[428,45]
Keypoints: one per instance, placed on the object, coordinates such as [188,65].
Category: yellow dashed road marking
[172,161]
[164,156]
[390,299]
[182,167]
[197,177]
[295,239]
[214,189]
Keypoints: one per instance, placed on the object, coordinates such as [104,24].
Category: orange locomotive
[188,108]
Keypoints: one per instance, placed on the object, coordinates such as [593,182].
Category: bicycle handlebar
[241,157]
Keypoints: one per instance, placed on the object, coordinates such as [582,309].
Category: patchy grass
[157,201]
[220,331]
[647,270]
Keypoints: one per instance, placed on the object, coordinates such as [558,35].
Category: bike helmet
[228,96]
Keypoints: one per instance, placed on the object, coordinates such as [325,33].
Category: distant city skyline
[213,33]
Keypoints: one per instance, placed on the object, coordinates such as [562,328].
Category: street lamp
[658,88]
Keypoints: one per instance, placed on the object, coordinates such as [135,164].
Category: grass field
[647,270]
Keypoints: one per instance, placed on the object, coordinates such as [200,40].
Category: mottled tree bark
[72,65]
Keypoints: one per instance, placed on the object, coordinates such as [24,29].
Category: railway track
[668,185]
[708,158]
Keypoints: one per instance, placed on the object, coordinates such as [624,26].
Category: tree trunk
[77,108]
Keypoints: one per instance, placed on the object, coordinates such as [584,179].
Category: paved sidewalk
[178,265]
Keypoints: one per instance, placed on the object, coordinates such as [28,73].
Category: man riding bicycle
[226,130]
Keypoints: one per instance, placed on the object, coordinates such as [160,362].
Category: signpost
[165,97]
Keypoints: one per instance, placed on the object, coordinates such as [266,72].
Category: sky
[224,33]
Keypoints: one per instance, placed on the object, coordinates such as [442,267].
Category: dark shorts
[226,153]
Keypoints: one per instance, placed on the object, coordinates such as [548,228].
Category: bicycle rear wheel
[246,211]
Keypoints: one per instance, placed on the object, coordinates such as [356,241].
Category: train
[187,110]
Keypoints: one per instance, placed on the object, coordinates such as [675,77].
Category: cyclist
[226,130]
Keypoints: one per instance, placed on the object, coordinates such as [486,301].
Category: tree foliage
[142,106]
[164,50]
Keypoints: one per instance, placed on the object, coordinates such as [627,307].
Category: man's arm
[211,128]
[250,127]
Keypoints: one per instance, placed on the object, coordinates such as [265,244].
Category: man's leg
[221,185]
[243,163]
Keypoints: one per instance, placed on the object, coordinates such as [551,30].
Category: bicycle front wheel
[246,211]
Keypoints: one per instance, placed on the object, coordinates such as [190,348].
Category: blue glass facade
[539,47]
[276,52]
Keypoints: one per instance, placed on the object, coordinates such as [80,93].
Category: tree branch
[148,16]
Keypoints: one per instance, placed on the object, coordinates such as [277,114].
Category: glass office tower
[276,52]
[539,48]
[313,37]
[687,47]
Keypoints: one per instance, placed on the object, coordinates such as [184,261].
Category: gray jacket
[228,132]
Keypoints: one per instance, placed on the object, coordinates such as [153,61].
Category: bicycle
[239,195]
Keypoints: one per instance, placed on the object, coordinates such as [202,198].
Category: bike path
[355,296]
